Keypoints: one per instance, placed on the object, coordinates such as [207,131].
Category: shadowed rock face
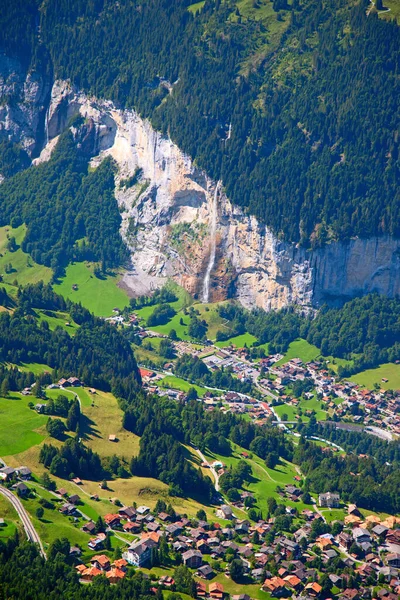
[22,110]
[167,214]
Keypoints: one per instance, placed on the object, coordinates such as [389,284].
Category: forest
[98,353]
[368,327]
[71,213]
[24,574]
[370,483]
[310,100]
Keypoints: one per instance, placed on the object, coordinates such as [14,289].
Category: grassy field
[20,427]
[264,480]
[207,312]
[24,269]
[300,349]
[246,339]
[101,418]
[388,371]
[100,296]
[57,319]
[304,405]
[232,588]
[393,13]
[35,368]
[11,519]
[175,383]
[196,7]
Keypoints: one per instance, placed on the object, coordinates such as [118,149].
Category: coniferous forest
[311,101]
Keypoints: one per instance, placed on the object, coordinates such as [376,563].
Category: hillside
[291,104]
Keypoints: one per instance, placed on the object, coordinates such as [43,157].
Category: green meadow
[99,296]
[300,349]
[16,416]
[24,269]
[389,371]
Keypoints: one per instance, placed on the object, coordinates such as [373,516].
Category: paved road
[212,469]
[31,532]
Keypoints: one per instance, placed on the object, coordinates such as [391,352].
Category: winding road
[30,531]
[212,469]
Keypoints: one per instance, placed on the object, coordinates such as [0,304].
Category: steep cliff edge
[173,217]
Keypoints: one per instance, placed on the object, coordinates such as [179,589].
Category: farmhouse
[329,500]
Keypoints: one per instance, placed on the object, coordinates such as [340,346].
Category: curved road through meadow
[30,531]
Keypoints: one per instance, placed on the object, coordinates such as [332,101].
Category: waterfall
[213,233]
[46,126]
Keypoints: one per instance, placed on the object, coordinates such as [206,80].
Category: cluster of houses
[281,563]
[100,564]
[17,477]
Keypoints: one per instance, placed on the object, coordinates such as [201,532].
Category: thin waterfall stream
[213,251]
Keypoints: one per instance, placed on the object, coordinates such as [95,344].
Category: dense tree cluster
[163,457]
[70,213]
[98,353]
[12,158]
[308,152]
[24,574]
[194,370]
[71,458]
[367,327]
[365,480]
[191,423]
[163,295]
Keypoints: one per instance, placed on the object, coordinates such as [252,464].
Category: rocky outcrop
[167,208]
[23,98]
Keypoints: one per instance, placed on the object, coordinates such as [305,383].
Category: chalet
[89,527]
[139,553]
[216,590]
[21,488]
[224,512]
[192,559]
[74,499]
[114,575]
[205,572]
[112,438]
[90,573]
[361,535]
[127,512]
[292,581]
[73,381]
[274,585]
[313,589]
[62,492]
[329,500]
[353,510]
[120,563]
[132,527]
[40,408]
[393,560]
[63,382]
[101,561]
[379,530]
[201,589]
[97,542]
[112,520]
[67,509]
[143,510]
[7,473]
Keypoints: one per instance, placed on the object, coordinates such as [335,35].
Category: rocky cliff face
[23,98]
[168,210]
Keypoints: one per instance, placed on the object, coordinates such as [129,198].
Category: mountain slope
[294,108]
